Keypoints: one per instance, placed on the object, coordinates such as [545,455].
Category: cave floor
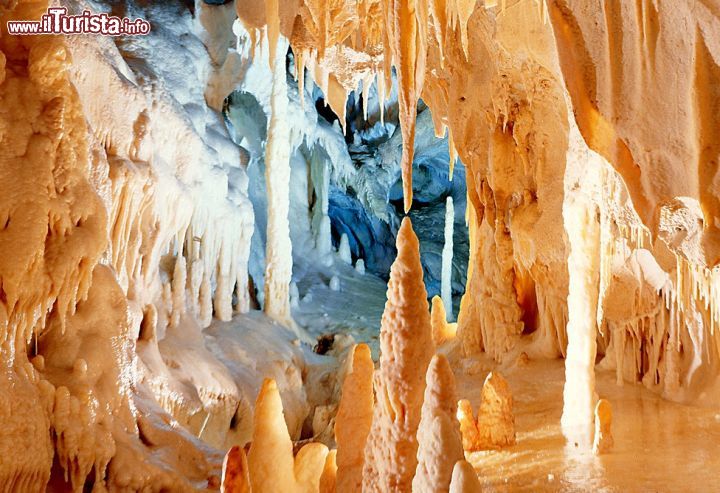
[355,309]
[660,446]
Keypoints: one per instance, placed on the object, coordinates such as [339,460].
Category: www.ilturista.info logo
[57,21]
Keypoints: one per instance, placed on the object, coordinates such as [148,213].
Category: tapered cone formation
[464,479]
[353,421]
[439,440]
[442,331]
[235,474]
[271,465]
[406,348]
[309,467]
[495,424]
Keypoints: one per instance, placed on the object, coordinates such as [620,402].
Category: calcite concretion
[406,348]
[439,440]
[328,478]
[464,478]
[583,231]
[447,255]
[495,424]
[271,464]
[235,472]
[354,419]
[603,441]
[510,65]
[442,330]
[278,258]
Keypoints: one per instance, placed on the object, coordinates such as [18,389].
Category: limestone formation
[406,348]
[442,331]
[271,464]
[235,473]
[495,424]
[439,440]
[464,478]
[603,441]
[328,478]
[468,426]
[354,419]
[149,186]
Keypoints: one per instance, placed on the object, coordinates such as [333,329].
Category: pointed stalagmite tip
[406,234]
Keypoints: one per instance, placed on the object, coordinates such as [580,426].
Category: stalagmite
[278,257]
[495,424]
[235,478]
[328,479]
[270,461]
[406,348]
[439,441]
[309,467]
[468,426]
[271,466]
[442,331]
[353,420]
[320,176]
[360,266]
[603,441]
[344,249]
[447,256]
[464,478]
[496,421]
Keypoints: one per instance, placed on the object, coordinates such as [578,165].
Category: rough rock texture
[439,440]
[406,348]
[354,419]
[495,424]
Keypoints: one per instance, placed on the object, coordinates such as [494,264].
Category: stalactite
[405,45]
